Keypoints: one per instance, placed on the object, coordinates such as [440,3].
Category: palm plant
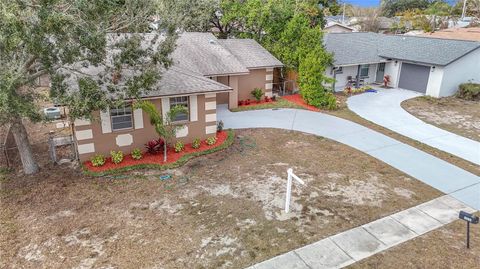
[165,127]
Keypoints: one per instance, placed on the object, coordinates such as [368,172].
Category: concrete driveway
[383,108]
[435,172]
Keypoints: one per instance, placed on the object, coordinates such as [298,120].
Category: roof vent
[211,41]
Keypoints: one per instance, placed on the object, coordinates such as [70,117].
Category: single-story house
[431,66]
[335,27]
[205,72]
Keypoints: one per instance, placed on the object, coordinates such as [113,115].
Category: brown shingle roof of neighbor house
[251,54]
[472,34]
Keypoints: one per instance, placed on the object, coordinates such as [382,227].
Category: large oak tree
[54,37]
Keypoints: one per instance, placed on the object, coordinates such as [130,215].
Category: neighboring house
[336,27]
[206,71]
[462,22]
[431,66]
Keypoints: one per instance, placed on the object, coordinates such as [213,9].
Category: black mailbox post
[469,218]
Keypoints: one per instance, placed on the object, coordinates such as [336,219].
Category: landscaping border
[228,142]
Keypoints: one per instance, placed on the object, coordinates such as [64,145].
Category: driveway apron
[384,109]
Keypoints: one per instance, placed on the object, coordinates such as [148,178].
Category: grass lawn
[218,210]
[450,113]
[280,103]
[441,248]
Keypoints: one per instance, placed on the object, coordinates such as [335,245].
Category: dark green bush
[469,91]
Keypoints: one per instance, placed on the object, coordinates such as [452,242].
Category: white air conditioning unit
[52,113]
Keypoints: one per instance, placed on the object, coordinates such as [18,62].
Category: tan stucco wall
[104,143]
[222,98]
[257,78]
[246,83]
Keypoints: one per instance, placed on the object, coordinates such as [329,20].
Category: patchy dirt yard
[441,248]
[218,211]
[452,114]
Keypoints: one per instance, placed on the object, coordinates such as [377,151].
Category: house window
[364,70]
[121,117]
[183,102]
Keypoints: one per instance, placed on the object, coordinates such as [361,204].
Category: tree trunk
[19,132]
[164,151]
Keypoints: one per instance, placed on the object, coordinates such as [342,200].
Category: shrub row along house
[431,66]
[205,72]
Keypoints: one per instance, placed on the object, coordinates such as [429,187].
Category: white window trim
[121,129]
[188,108]
[364,66]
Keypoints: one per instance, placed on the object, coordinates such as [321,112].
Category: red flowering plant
[154,146]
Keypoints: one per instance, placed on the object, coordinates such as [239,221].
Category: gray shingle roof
[177,81]
[196,56]
[250,53]
[426,50]
[353,48]
[203,54]
[357,48]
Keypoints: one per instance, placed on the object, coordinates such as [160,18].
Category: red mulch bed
[297,99]
[255,103]
[148,158]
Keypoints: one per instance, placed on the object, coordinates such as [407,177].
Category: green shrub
[196,143]
[98,160]
[211,140]
[257,93]
[179,146]
[469,91]
[117,156]
[220,126]
[136,154]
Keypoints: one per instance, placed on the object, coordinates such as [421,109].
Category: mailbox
[470,218]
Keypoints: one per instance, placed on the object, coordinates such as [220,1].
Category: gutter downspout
[358,77]
[334,79]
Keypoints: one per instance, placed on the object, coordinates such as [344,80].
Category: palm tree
[164,126]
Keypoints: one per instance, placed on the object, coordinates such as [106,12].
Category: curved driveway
[437,173]
[383,108]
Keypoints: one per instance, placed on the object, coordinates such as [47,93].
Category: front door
[380,72]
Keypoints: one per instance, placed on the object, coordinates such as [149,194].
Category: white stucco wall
[460,71]
[393,70]
[352,71]
[435,81]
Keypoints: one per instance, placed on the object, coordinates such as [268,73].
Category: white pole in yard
[464,9]
[288,197]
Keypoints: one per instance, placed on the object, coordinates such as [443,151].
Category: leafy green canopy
[289,29]
[391,8]
[54,37]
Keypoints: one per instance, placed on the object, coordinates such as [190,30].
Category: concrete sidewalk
[361,242]
[384,109]
[435,172]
